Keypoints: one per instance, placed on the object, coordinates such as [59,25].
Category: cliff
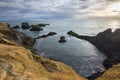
[17,62]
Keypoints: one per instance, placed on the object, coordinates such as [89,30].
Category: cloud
[52,9]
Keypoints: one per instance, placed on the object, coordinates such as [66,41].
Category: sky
[58,9]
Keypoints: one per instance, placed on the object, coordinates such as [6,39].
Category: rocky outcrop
[62,39]
[15,27]
[43,25]
[12,36]
[109,43]
[73,34]
[36,28]
[47,35]
[19,63]
[25,25]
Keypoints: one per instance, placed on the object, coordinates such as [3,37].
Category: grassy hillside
[111,74]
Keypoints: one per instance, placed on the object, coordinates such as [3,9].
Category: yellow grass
[18,63]
[111,74]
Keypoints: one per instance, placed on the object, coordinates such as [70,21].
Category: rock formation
[15,27]
[62,39]
[36,28]
[108,42]
[25,25]
[43,25]
[47,35]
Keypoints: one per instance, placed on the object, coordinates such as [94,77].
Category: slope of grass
[111,74]
[18,63]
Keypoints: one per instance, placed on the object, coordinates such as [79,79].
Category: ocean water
[81,55]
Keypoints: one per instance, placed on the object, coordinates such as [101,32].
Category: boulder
[62,39]
[36,28]
[16,27]
[25,25]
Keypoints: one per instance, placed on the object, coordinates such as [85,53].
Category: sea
[81,55]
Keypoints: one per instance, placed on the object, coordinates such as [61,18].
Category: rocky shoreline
[106,41]
[19,61]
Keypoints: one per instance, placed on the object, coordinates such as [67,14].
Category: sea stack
[25,25]
[36,28]
[62,39]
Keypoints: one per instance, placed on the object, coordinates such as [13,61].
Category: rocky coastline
[18,43]
[19,61]
[106,41]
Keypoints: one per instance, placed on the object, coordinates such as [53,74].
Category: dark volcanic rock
[16,27]
[35,28]
[49,34]
[62,39]
[25,25]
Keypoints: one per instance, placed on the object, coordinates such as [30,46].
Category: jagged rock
[62,39]
[49,34]
[16,27]
[25,25]
[36,28]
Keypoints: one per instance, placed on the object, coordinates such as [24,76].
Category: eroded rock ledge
[19,63]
